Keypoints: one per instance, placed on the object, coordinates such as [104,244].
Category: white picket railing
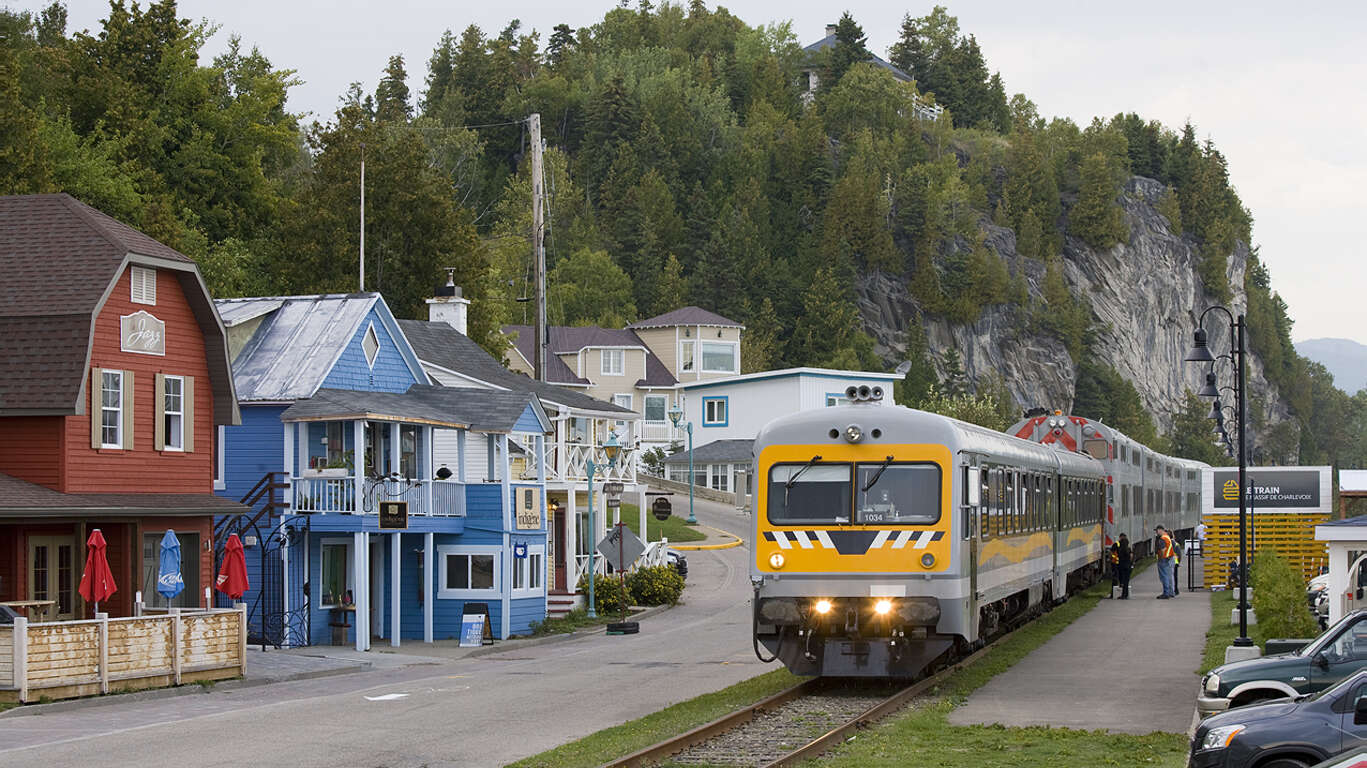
[568,462]
[443,498]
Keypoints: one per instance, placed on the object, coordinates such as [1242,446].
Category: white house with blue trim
[339,422]
[732,410]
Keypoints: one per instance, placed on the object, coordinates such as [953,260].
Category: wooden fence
[1291,534]
[64,659]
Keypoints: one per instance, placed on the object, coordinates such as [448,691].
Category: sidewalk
[1127,666]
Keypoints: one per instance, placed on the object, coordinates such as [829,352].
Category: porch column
[395,558]
[460,455]
[426,472]
[358,464]
[429,554]
[291,437]
[360,585]
[500,443]
[394,446]
[641,504]
[571,547]
[491,464]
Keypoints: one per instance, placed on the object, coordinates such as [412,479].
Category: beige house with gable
[638,367]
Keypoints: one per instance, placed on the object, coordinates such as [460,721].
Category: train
[886,540]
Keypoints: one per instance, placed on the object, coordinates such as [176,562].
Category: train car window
[1010,508]
[983,525]
[809,493]
[897,493]
[1096,448]
[1029,502]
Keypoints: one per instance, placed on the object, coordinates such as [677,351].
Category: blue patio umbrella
[169,582]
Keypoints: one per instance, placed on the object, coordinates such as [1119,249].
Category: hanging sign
[661,508]
[393,515]
[1269,489]
[142,333]
[528,514]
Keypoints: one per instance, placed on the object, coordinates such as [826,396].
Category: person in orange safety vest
[1167,554]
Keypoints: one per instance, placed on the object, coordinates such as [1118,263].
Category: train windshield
[809,493]
[897,493]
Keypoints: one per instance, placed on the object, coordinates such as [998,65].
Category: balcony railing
[337,495]
[568,462]
[658,432]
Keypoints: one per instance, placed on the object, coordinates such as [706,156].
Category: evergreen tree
[673,287]
[759,343]
[849,49]
[1191,432]
[589,289]
[439,67]
[955,381]
[391,95]
[920,377]
[560,45]
[1096,217]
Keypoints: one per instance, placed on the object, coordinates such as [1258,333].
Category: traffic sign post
[621,548]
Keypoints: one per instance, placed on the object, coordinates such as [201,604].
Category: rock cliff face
[1145,297]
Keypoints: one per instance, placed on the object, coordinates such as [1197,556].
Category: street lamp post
[610,450]
[675,414]
[1200,353]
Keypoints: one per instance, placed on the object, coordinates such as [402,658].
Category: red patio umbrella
[232,575]
[97,582]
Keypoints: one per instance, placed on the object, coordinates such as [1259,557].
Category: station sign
[1270,489]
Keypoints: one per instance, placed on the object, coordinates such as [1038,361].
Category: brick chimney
[449,306]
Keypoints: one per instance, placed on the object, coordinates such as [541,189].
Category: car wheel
[1284,762]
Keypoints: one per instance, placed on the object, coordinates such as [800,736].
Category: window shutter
[96,386]
[128,390]
[187,421]
[159,413]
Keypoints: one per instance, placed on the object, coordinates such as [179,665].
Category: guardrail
[66,659]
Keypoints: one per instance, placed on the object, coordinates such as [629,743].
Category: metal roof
[720,451]
[20,498]
[293,351]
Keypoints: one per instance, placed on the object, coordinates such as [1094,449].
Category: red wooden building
[114,381]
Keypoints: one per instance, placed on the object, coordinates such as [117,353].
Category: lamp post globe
[675,415]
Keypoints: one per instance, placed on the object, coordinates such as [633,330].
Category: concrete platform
[1128,666]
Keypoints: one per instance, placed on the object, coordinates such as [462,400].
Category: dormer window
[370,344]
[143,283]
[614,362]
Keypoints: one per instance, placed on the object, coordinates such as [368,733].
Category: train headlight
[853,433]
[882,607]
[928,560]
[776,560]
[822,607]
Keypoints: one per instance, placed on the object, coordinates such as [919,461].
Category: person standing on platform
[1124,561]
[1176,562]
[1166,555]
[1113,559]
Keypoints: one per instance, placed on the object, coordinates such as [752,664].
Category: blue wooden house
[340,424]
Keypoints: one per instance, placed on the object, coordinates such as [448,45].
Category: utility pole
[538,246]
[362,288]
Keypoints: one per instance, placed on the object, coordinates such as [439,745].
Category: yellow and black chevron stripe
[853,542]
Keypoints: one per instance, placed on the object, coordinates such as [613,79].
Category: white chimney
[830,30]
[448,306]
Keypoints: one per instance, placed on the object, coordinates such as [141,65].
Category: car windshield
[1330,636]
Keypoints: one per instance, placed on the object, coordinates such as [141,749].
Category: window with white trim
[220,444]
[655,407]
[614,362]
[143,285]
[111,409]
[714,411]
[173,413]
[468,572]
[370,345]
[529,573]
[686,356]
[624,401]
[719,356]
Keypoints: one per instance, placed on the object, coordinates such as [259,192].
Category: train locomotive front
[869,522]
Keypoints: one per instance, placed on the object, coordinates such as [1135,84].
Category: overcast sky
[1277,86]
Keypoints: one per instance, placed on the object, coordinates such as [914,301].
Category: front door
[52,575]
[557,529]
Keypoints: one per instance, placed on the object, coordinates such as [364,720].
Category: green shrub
[656,585]
[609,596]
[1279,597]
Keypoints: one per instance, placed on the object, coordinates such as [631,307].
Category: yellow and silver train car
[886,537]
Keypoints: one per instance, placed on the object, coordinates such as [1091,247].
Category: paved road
[470,712]
[1127,666]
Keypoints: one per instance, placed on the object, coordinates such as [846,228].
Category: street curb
[512,645]
[735,541]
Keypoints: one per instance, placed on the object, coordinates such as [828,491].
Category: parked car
[1294,733]
[1337,653]
[1355,759]
[676,558]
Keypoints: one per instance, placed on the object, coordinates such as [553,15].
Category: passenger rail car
[1144,488]
[885,538]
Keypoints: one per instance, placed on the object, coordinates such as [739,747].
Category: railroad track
[765,733]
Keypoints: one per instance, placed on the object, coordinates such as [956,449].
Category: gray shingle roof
[686,316]
[482,410]
[19,498]
[523,338]
[439,344]
[718,451]
[829,42]
[59,256]
[565,340]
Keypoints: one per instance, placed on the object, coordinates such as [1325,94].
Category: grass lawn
[674,529]
[1222,633]
[923,735]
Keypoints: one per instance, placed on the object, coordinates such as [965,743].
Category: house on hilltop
[814,63]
